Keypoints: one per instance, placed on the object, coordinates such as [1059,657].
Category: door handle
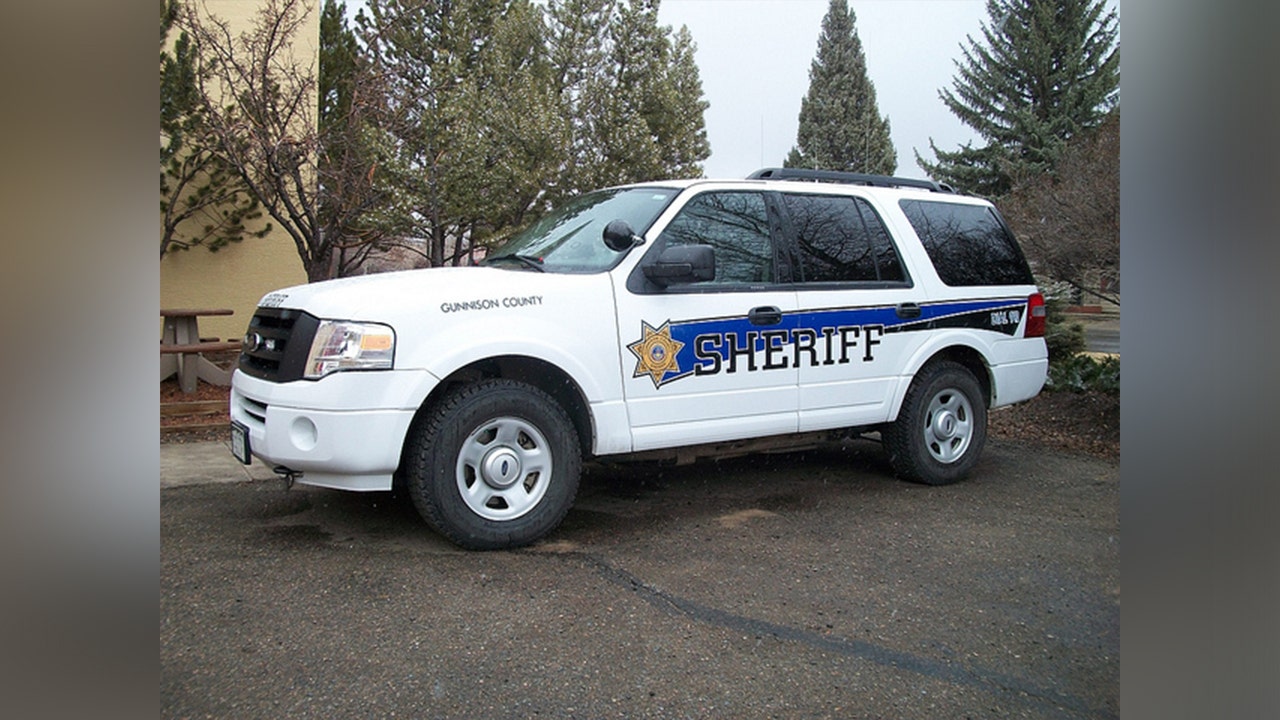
[765,315]
[908,310]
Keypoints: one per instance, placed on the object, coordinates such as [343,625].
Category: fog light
[302,433]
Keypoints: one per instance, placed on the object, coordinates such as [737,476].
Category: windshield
[570,239]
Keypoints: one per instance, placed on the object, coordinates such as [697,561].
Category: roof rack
[847,177]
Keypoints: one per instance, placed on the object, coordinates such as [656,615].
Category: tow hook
[287,475]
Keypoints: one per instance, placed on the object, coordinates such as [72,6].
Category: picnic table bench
[182,349]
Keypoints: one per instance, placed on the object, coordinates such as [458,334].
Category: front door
[711,361]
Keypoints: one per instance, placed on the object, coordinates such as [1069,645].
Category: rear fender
[959,346]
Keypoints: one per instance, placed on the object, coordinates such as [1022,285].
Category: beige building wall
[239,274]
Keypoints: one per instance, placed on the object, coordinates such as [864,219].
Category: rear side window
[841,239]
[968,244]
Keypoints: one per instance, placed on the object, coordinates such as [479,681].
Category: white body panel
[444,319]
[849,376]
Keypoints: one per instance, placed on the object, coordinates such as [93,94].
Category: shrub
[1081,373]
[1064,338]
[1070,369]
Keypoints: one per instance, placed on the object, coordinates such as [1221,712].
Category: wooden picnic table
[182,349]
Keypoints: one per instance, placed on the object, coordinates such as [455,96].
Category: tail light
[1035,316]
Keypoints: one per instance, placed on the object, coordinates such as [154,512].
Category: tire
[494,465]
[941,428]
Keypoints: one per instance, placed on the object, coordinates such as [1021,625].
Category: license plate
[240,442]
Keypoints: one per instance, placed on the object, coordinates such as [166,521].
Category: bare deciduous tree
[258,94]
[202,201]
[1069,220]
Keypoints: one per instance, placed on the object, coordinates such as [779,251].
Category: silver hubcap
[948,426]
[503,468]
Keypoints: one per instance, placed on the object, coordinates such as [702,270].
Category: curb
[202,463]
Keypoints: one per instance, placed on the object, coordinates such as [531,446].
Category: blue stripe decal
[709,346]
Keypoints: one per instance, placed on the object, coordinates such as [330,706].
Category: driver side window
[736,226]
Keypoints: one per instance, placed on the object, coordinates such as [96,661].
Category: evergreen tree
[577,44]
[681,130]
[470,116]
[519,138]
[840,124]
[339,63]
[639,52]
[1045,71]
[349,197]
[630,91]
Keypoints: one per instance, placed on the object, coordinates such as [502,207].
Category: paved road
[787,586]
[1101,333]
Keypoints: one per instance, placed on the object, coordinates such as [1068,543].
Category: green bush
[1080,373]
[1069,369]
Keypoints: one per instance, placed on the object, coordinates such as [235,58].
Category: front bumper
[310,428]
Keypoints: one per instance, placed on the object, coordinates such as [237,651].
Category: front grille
[276,344]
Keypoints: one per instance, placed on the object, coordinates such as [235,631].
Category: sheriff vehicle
[678,319]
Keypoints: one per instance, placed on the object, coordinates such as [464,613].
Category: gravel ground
[803,585]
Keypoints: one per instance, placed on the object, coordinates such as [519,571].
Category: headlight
[342,345]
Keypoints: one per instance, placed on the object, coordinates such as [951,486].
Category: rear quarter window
[968,244]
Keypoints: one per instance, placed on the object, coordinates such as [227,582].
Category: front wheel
[494,465]
[941,427]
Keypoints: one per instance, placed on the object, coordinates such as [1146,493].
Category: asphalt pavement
[806,585]
[1101,332]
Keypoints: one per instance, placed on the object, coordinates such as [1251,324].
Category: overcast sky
[754,58]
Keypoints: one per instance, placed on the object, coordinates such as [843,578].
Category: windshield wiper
[528,260]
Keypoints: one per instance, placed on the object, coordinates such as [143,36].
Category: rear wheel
[495,465]
[941,427]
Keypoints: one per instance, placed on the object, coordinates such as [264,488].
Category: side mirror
[619,236]
[683,264]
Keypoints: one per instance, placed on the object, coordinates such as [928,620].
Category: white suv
[678,319]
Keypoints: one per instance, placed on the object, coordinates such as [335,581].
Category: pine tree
[633,106]
[630,91]
[1045,71]
[339,62]
[682,132]
[350,197]
[578,47]
[470,114]
[519,139]
[840,124]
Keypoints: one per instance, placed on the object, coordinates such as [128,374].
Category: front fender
[585,349]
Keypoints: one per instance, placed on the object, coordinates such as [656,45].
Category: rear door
[856,302]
